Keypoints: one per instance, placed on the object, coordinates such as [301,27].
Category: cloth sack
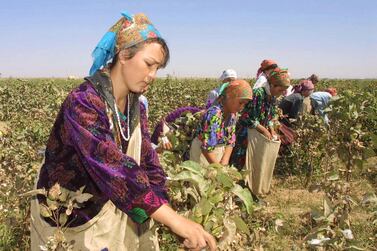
[197,155]
[261,156]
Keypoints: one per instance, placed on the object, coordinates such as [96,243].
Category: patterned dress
[81,151]
[214,130]
[261,110]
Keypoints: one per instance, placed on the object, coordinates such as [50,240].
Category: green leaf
[245,195]
[208,225]
[217,197]
[224,180]
[241,225]
[217,231]
[205,206]
[197,215]
[188,176]
[193,167]
[64,194]
[219,213]
[63,219]
[234,173]
[82,197]
[215,165]
[196,179]
[45,211]
[52,204]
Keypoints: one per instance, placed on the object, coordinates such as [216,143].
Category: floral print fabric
[214,130]
[261,110]
[81,151]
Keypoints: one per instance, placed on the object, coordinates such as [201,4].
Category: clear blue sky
[334,38]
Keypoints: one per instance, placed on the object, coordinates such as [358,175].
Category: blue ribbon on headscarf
[105,48]
[103,52]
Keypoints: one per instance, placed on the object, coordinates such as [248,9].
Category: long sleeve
[231,132]
[250,116]
[212,96]
[156,175]
[296,107]
[210,129]
[274,115]
[116,175]
[214,130]
[260,110]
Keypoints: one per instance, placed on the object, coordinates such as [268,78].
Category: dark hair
[273,66]
[314,78]
[137,47]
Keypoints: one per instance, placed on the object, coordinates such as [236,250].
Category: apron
[111,228]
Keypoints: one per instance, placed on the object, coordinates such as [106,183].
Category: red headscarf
[237,89]
[264,65]
[307,85]
[331,90]
[279,77]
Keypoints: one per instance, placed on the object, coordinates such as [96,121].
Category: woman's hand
[224,163]
[227,152]
[264,131]
[274,135]
[164,145]
[196,238]
[210,156]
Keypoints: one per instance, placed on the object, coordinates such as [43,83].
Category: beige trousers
[261,156]
[110,228]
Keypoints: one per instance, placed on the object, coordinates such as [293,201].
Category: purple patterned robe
[81,151]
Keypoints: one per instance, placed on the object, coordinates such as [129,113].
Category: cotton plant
[60,202]
[212,197]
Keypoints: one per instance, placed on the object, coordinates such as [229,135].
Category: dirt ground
[290,205]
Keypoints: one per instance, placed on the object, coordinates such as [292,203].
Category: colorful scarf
[307,85]
[237,89]
[128,31]
[279,77]
[332,91]
[264,65]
